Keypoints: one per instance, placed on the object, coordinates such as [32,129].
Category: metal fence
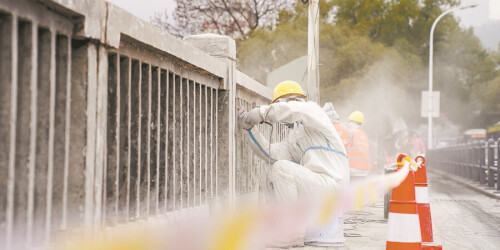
[478,162]
[161,145]
[251,169]
[106,120]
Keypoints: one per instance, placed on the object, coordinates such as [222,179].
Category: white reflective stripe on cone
[422,194]
[404,228]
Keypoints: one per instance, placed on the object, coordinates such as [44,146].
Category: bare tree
[233,18]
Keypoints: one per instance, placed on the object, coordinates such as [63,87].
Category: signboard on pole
[424,107]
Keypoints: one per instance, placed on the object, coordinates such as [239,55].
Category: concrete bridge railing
[105,119]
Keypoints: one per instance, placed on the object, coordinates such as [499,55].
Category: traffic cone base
[406,246]
[431,246]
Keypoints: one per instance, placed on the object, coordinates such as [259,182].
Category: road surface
[462,219]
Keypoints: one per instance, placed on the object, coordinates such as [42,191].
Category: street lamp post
[431,59]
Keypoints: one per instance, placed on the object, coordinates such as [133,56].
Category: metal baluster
[476,157]
[491,175]
[497,163]
[469,160]
[482,163]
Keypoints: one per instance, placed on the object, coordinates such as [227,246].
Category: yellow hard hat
[357,116]
[286,88]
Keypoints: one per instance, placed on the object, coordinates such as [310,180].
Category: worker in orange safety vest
[358,146]
[355,141]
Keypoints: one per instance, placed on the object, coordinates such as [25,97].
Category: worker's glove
[330,111]
[253,117]
[247,119]
[241,114]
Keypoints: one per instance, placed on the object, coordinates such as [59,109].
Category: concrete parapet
[214,45]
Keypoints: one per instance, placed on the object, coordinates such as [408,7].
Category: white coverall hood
[313,156]
[330,111]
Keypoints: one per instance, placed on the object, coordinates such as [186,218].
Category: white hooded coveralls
[312,159]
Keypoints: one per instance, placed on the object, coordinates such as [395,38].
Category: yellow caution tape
[328,208]
[234,234]
[359,198]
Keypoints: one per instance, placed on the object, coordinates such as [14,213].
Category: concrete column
[100,133]
[223,48]
[91,81]
[92,113]
[78,161]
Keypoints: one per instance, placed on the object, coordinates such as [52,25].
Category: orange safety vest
[358,149]
[343,133]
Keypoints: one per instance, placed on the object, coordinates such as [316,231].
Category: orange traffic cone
[404,227]
[423,207]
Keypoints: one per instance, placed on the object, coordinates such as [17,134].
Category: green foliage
[492,95]
[491,110]
[388,21]
[366,16]
[265,50]
[374,56]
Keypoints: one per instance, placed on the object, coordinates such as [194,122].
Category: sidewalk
[489,191]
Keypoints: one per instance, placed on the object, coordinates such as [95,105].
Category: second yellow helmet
[286,88]
[357,116]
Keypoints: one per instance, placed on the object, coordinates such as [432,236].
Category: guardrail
[478,162]
[105,120]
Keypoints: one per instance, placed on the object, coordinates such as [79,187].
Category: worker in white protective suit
[312,159]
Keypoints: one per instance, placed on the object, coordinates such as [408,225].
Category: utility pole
[313,52]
